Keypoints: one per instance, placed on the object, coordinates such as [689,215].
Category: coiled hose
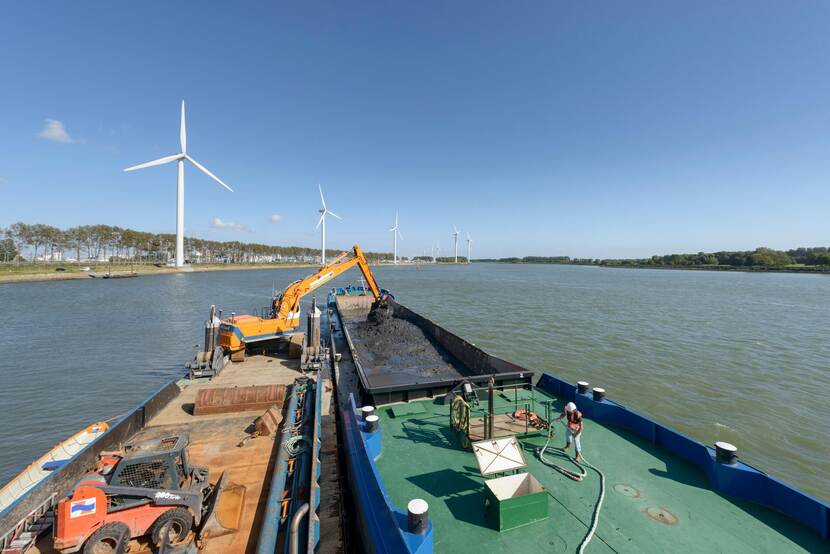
[540,453]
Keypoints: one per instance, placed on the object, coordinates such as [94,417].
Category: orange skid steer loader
[149,488]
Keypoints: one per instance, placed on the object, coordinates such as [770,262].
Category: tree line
[22,242]
[759,258]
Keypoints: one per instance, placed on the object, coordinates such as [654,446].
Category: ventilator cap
[570,407]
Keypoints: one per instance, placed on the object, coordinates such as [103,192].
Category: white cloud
[53,130]
[219,224]
[275,218]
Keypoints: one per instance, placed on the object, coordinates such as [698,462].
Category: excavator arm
[289,301]
[237,331]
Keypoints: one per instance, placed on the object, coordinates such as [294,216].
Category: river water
[741,357]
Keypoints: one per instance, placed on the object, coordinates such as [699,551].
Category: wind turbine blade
[396,219]
[206,172]
[455,229]
[323,200]
[400,236]
[183,132]
[160,161]
[319,221]
[393,229]
[335,215]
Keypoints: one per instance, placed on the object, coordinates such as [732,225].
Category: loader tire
[176,523]
[112,538]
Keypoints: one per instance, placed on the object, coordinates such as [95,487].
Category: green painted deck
[422,459]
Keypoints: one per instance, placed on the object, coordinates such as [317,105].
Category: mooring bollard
[582,387]
[599,394]
[367,411]
[726,453]
[372,423]
[418,516]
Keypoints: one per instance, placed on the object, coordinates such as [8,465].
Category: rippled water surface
[720,356]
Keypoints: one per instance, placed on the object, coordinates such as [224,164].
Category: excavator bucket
[224,509]
[381,311]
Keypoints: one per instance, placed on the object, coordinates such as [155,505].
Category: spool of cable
[582,386]
[726,453]
[366,411]
[418,516]
[372,423]
[599,394]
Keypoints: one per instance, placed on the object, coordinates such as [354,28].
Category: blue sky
[589,129]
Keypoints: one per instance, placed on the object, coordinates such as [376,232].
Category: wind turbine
[323,211]
[395,234]
[180,158]
[469,247]
[455,236]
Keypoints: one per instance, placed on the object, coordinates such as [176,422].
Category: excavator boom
[237,331]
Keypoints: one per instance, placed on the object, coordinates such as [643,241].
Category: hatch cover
[498,455]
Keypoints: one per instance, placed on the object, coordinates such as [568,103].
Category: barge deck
[654,501]
[222,441]
[664,492]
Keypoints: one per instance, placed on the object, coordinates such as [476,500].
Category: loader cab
[153,464]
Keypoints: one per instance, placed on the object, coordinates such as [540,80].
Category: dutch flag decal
[78,508]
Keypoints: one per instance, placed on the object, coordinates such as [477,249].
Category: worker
[573,427]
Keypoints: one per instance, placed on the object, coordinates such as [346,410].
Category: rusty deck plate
[224,400]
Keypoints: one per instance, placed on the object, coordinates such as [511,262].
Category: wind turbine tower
[469,248]
[323,211]
[395,234]
[455,237]
[180,159]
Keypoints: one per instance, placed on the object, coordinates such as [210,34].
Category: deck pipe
[313,328]
[295,527]
[491,408]
[210,331]
[301,480]
[726,453]
[267,542]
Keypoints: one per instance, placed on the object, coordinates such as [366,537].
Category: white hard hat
[570,406]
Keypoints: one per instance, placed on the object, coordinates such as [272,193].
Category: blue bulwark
[383,526]
[740,480]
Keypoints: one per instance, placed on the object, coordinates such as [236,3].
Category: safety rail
[530,406]
[740,479]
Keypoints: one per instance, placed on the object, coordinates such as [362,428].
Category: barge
[384,432]
[424,474]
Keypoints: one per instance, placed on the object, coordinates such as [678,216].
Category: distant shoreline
[72,273]
[680,268]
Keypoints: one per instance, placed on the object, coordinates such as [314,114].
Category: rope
[293,445]
[595,516]
[540,453]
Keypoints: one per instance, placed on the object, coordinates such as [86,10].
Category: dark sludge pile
[386,343]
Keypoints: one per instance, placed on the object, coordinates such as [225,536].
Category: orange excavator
[238,331]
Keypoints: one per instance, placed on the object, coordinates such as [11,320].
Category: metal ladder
[24,535]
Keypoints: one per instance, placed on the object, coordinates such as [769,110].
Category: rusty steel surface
[224,400]
[268,423]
